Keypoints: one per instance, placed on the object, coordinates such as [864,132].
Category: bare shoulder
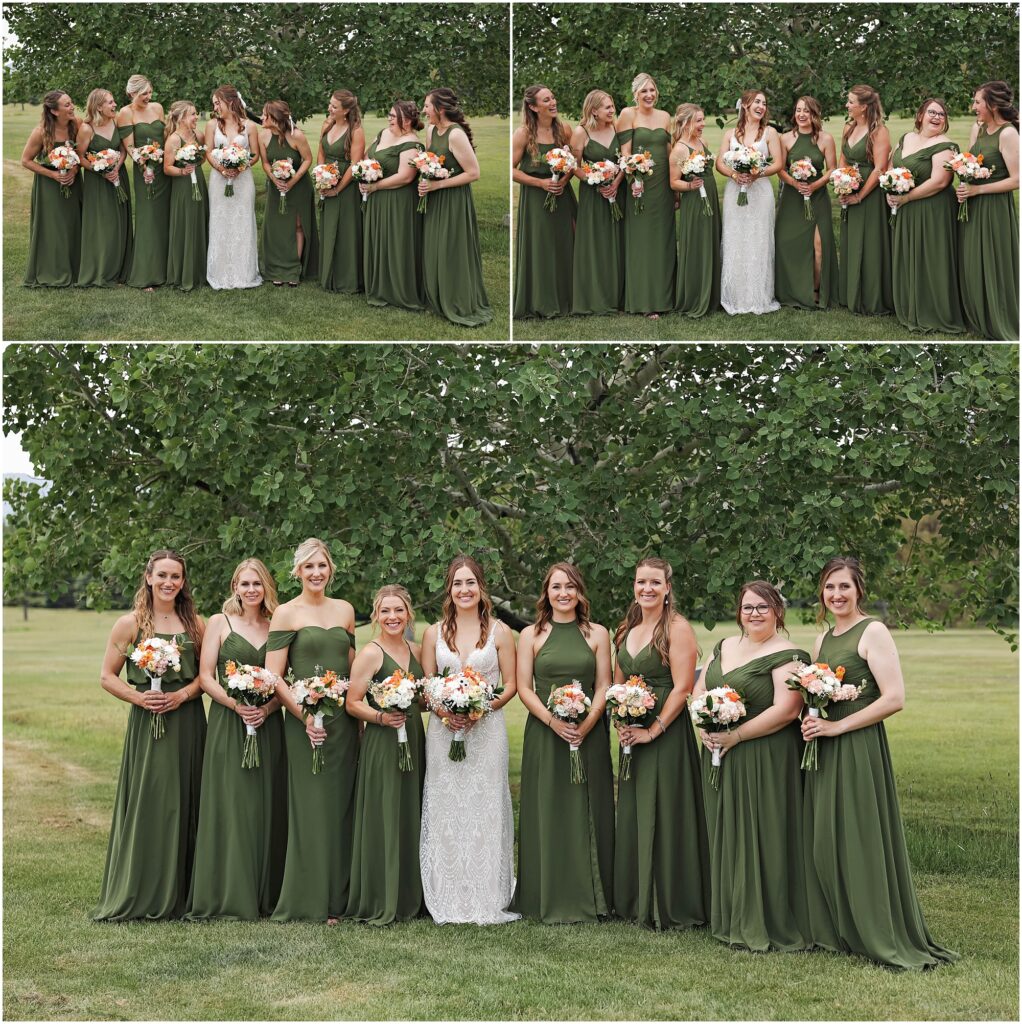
[416,649]
[124,115]
[520,134]
[680,628]
[501,630]
[599,633]
[159,108]
[125,627]
[284,616]
[626,119]
[430,633]
[578,133]
[826,137]
[528,634]
[876,630]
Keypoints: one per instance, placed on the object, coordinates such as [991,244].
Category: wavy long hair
[815,116]
[743,114]
[769,593]
[661,641]
[281,121]
[530,121]
[870,99]
[998,95]
[407,112]
[231,99]
[446,101]
[683,117]
[48,121]
[142,606]
[545,610]
[449,612]
[595,99]
[96,99]
[233,606]
[352,116]
[177,110]
[858,578]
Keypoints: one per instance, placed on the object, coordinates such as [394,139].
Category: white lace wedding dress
[747,245]
[232,258]
[466,848]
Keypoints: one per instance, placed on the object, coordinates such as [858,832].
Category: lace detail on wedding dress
[232,258]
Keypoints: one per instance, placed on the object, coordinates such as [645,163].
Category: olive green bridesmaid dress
[152,213]
[239,851]
[189,233]
[340,229]
[661,855]
[598,270]
[794,238]
[156,810]
[452,264]
[861,896]
[54,234]
[988,252]
[280,259]
[566,830]
[755,821]
[698,286]
[386,884]
[319,807]
[864,269]
[924,251]
[544,244]
[392,249]
[650,243]
[106,224]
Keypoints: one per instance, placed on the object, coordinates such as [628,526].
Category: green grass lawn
[786,324]
[62,750]
[266,313]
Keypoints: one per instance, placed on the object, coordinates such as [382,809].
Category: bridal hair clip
[241,100]
[290,124]
[738,104]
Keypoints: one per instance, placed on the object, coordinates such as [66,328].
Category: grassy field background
[786,324]
[265,313]
[62,749]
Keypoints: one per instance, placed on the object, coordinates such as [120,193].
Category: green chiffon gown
[189,234]
[794,238]
[755,821]
[54,233]
[924,251]
[319,807]
[598,270]
[152,213]
[392,249]
[239,851]
[106,224]
[864,269]
[566,830]
[661,855]
[988,252]
[452,264]
[861,896]
[650,243]
[280,259]
[340,227]
[386,884]
[698,284]
[544,244]
[150,856]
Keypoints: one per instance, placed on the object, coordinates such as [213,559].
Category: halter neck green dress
[988,251]
[544,244]
[598,270]
[189,233]
[861,896]
[242,838]
[106,223]
[152,213]
[55,232]
[386,884]
[340,228]
[156,810]
[924,251]
[755,821]
[661,855]
[319,807]
[864,270]
[280,259]
[794,238]
[698,281]
[566,831]
[452,265]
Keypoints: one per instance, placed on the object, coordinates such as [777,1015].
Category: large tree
[733,462]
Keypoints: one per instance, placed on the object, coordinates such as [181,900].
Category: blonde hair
[642,79]
[178,109]
[593,101]
[306,550]
[232,606]
[96,98]
[683,117]
[392,590]
[137,84]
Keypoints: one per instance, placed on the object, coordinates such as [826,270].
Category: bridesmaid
[307,635]
[290,241]
[598,270]
[805,257]
[861,896]
[385,882]
[106,219]
[452,266]
[925,244]
[651,253]
[988,240]
[864,270]
[544,239]
[661,825]
[189,220]
[139,123]
[392,253]
[342,142]
[55,225]
[239,850]
[755,818]
[566,831]
[698,286]
[152,839]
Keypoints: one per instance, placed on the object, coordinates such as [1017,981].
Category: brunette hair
[281,121]
[870,99]
[177,110]
[769,593]
[233,606]
[231,99]
[306,550]
[48,121]
[530,121]
[858,578]
[545,611]
[392,590]
[446,101]
[407,113]
[921,112]
[999,96]
[137,84]
[96,98]
[595,99]
[142,606]
[642,79]
[449,613]
[683,117]
[352,114]
[815,120]
[661,641]
[743,105]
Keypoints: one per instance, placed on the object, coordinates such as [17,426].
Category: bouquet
[105,160]
[570,703]
[282,170]
[324,178]
[630,703]
[147,157]
[636,167]
[398,692]
[716,711]
[430,168]
[897,181]
[251,685]
[321,696]
[232,157]
[695,167]
[844,181]
[819,685]
[602,172]
[466,693]
[560,161]
[190,156]
[969,168]
[62,158]
[156,657]
[804,170]
[743,160]
[366,172]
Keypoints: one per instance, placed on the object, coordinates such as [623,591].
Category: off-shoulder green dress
[698,286]
[152,212]
[106,223]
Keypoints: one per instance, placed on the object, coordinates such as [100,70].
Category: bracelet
[663,728]
[235,708]
[738,734]
[379,718]
[550,719]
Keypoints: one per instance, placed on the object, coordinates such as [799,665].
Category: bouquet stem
[457,751]
[715,769]
[963,211]
[811,756]
[421,208]
[743,196]
[404,752]
[578,770]
[122,196]
[707,209]
[807,207]
[318,761]
[250,755]
[196,194]
[626,763]
[550,203]
[282,204]
[156,724]
[229,189]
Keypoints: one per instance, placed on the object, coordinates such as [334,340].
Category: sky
[15,459]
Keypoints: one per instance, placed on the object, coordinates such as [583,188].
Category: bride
[467,839]
[747,235]
[232,258]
